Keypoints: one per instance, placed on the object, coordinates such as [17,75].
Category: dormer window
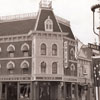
[11,50]
[25,49]
[48,24]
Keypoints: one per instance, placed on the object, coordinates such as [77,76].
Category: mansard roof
[23,26]
[66,28]
[17,27]
[43,16]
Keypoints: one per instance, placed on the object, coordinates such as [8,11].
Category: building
[37,57]
[84,66]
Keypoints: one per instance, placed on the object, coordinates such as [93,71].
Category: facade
[84,66]
[37,57]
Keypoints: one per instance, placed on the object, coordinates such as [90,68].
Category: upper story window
[11,50]
[72,53]
[10,66]
[43,67]
[72,68]
[43,49]
[25,49]
[48,24]
[25,67]
[54,68]
[54,50]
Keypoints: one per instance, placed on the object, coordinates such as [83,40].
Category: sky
[78,12]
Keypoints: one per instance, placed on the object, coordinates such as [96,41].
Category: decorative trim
[25,44]
[17,17]
[17,58]
[48,22]
[10,46]
[10,62]
[15,38]
[24,62]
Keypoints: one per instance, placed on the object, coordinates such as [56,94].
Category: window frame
[54,50]
[48,24]
[54,67]
[43,67]
[43,49]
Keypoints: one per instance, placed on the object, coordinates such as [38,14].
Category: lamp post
[96,11]
[96,29]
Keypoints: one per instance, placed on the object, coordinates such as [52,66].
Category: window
[54,68]
[54,50]
[48,24]
[11,50]
[25,67]
[25,49]
[10,66]
[72,54]
[72,68]
[43,49]
[43,67]
[24,91]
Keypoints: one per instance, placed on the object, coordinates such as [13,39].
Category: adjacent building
[37,57]
[85,71]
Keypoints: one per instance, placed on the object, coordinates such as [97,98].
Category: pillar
[76,88]
[0,90]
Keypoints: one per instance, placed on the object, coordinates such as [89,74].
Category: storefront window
[25,90]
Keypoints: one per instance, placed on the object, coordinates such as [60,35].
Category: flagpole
[96,88]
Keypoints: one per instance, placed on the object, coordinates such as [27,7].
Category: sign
[16,78]
[93,46]
[49,78]
[70,79]
[65,54]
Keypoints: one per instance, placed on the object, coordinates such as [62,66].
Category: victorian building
[85,77]
[37,57]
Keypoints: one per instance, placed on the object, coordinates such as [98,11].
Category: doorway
[12,91]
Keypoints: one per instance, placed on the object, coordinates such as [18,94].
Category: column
[76,88]
[0,90]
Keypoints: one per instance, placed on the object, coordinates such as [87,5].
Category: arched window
[54,68]
[11,50]
[10,66]
[54,50]
[43,67]
[25,49]
[25,67]
[72,53]
[43,49]
[72,69]
[48,24]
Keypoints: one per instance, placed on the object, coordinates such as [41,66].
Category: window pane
[25,54]
[25,70]
[11,54]
[43,49]
[54,49]
[43,67]
[54,68]
[24,91]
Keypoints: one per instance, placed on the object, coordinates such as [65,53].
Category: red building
[37,57]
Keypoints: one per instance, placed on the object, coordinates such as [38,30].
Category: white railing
[18,16]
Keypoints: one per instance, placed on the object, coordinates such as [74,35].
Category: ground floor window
[24,90]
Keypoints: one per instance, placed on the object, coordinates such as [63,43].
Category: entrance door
[44,91]
[12,91]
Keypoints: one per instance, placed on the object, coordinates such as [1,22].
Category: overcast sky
[78,12]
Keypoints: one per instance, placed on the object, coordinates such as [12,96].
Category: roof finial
[45,4]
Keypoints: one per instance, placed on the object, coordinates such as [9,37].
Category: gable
[43,16]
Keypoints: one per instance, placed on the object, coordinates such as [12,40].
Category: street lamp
[96,19]
[96,29]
